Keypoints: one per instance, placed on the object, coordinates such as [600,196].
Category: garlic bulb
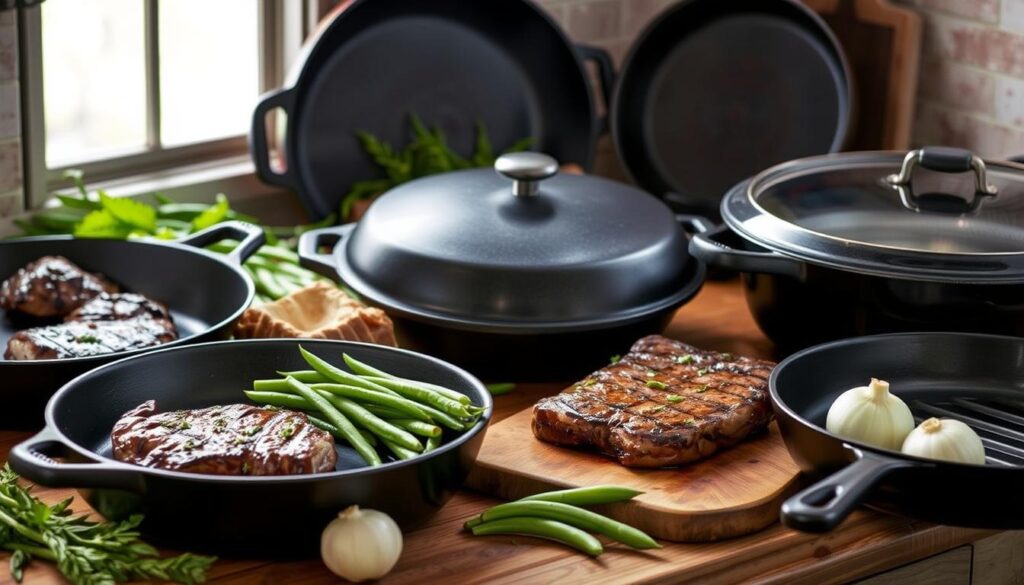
[871,415]
[361,544]
[946,439]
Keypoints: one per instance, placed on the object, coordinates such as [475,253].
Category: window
[129,87]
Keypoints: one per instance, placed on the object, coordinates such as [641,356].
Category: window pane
[93,78]
[209,68]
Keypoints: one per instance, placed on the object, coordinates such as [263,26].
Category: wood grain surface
[441,552]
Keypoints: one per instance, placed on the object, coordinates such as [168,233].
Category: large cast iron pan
[714,91]
[978,379]
[453,63]
[229,514]
[205,292]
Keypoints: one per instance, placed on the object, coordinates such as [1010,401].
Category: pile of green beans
[367,407]
[274,270]
[558,516]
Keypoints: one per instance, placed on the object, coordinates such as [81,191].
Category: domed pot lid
[523,247]
[936,213]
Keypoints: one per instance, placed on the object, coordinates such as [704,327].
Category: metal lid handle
[944,160]
[527,170]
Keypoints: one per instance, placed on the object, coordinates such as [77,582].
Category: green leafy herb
[212,215]
[87,338]
[657,408]
[590,382]
[287,432]
[684,359]
[86,552]
[189,445]
[727,357]
[702,388]
[656,384]
[615,359]
[252,430]
[702,371]
[674,398]
[245,468]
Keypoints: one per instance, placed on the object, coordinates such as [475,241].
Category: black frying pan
[205,292]
[267,515]
[978,379]
[453,63]
[715,91]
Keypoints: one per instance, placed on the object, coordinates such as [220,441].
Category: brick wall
[11,199]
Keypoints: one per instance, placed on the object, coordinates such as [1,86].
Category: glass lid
[931,212]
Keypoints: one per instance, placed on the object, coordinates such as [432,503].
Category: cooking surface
[865,544]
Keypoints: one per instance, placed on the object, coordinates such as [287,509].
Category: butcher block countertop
[869,543]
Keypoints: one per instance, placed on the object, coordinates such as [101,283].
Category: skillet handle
[714,249]
[824,505]
[251,236]
[309,248]
[605,77]
[283,98]
[32,460]
[694,224]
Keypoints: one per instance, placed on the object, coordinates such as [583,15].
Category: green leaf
[133,213]
[18,561]
[214,214]
[78,203]
[102,224]
[162,199]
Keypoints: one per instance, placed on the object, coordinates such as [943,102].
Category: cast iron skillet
[231,514]
[971,377]
[205,292]
[453,63]
[715,91]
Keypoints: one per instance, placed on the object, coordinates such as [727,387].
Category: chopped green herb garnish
[590,382]
[656,384]
[702,388]
[728,357]
[252,430]
[189,445]
[87,338]
[674,398]
[184,425]
[685,359]
[240,440]
[658,408]
[245,468]
[615,359]
[702,371]
[287,432]
[690,422]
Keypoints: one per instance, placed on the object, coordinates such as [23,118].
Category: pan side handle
[605,77]
[714,248]
[309,249]
[251,238]
[258,146]
[33,460]
[824,505]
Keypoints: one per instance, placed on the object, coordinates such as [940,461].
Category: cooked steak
[119,307]
[236,439]
[664,403]
[52,286]
[88,338]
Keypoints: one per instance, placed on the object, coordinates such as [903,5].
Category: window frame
[283,25]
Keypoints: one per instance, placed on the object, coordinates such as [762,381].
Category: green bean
[432,443]
[421,394]
[322,424]
[418,427]
[336,374]
[399,451]
[408,408]
[372,422]
[578,517]
[443,419]
[336,418]
[57,219]
[598,494]
[499,389]
[279,399]
[306,376]
[383,412]
[542,528]
[372,373]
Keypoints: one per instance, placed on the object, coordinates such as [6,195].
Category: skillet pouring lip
[53,424]
[781,405]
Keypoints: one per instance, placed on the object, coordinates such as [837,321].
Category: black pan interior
[451,62]
[718,91]
[198,376]
[978,379]
[200,291]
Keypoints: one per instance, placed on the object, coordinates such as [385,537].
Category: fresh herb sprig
[86,552]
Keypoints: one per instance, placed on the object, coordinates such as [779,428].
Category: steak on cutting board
[236,439]
[664,403]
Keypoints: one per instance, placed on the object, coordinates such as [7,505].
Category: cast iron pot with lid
[205,292]
[876,242]
[973,378]
[520,274]
[267,515]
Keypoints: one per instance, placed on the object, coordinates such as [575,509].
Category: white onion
[361,544]
[947,440]
[871,415]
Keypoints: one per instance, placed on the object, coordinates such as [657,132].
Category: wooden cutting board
[882,43]
[735,492]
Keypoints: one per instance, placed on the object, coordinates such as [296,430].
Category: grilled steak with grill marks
[52,286]
[664,403]
[236,439]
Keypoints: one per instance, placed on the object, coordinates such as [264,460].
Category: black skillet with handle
[205,292]
[974,378]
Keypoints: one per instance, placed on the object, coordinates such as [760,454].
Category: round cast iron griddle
[270,515]
[970,377]
[205,292]
[716,91]
[452,63]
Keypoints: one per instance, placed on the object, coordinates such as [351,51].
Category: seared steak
[236,439]
[664,403]
[52,286]
[88,338]
[119,307]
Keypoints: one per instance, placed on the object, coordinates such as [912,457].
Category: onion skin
[945,440]
[871,415]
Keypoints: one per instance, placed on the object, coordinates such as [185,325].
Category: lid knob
[527,170]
